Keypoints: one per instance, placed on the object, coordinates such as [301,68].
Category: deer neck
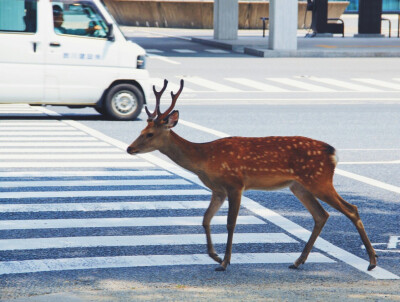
[186,154]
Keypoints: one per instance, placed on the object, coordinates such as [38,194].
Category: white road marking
[369,181]
[216,50]
[62,150]
[164,59]
[142,240]
[79,173]
[256,85]
[94,183]
[47,265]
[184,51]
[106,206]
[211,85]
[388,162]
[119,222]
[97,193]
[35,128]
[44,133]
[42,139]
[346,85]
[51,144]
[63,164]
[300,84]
[66,156]
[152,50]
[380,83]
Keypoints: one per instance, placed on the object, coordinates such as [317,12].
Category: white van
[69,52]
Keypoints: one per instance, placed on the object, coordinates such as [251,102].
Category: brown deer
[231,165]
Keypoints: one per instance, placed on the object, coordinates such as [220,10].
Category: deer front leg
[217,199]
[234,206]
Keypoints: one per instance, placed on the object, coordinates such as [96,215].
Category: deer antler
[158,95]
[174,99]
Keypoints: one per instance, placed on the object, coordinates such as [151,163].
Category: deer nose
[129,150]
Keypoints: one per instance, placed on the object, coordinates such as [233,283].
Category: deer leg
[217,199]
[319,215]
[234,206]
[350,210]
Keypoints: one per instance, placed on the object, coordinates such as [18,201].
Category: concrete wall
[199,14]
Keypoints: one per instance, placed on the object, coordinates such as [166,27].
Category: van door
[80,61]
[21,52]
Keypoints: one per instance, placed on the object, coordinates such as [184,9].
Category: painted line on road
[49,265]
[389,162]
[295,229]
[79,173]
[47,138]
[106,206]
[62,150]
[162,58]
[119,222]
[55,164]
[94,183]
[142,240]
[99,193]
[43,143]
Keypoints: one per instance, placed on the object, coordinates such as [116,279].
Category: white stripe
[44,133]
[184,50]
[119,193]
[52,173]
[145,240]
[368,180]
[40,164]
[216,50]
[50,156]
[107,206]
[301,84]
[42,139]
[32,123]
[379,83]
[344,84]
[62,150]
[154,50]
[162,58]
[196,126]
[47,265]
[159,83]
[54,144]
[256,85]
[35,128]
[211,85]
[388,162]
[118,222]
[94,183]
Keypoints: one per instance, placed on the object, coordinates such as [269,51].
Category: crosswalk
[296,84]
[75,202]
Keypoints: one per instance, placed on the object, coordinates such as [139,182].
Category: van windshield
[78,18]
[18,15]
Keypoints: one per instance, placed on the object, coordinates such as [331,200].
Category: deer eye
[148,135]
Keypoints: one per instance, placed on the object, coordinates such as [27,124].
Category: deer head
[158,124]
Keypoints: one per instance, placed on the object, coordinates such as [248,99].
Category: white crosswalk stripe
[280,85]
[83,185]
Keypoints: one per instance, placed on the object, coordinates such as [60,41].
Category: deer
[229,166]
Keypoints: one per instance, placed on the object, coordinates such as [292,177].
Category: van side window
[79,18]
[18,16]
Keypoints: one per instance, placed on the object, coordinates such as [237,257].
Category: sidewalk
[251,42]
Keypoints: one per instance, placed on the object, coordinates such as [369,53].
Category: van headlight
[141,62]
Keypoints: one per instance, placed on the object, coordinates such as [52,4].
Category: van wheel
[123,102]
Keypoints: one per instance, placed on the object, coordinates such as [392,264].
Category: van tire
[123,102]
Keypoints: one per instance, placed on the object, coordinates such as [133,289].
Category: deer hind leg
[332,198]
[217,199]
[234,206]
[319,215]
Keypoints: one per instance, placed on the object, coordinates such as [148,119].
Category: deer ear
[172,119]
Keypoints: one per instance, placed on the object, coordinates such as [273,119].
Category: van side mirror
[110,33]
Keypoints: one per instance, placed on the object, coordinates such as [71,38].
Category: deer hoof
[371,267]
[220,269]
[293,266]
